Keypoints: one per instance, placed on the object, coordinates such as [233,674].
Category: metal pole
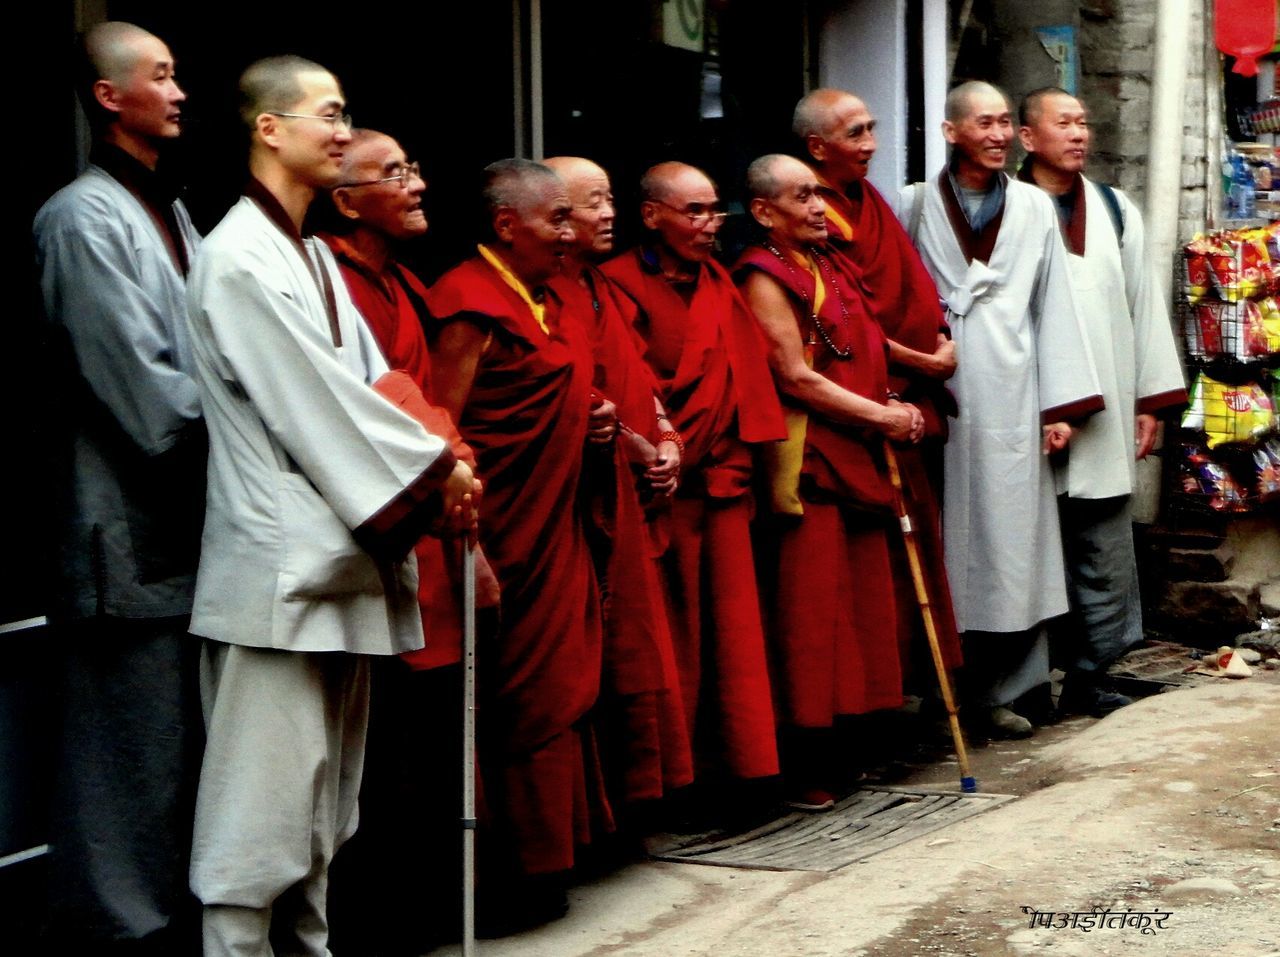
[468,748]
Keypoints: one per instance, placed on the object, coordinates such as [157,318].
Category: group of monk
[705,501]
[687,514]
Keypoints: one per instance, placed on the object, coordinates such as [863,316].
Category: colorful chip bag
[1266,474]
[1209,482]
[1228,413]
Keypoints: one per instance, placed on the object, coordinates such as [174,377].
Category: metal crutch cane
[468,747]
[967,783]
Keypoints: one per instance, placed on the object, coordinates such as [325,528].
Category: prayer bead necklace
[824,269]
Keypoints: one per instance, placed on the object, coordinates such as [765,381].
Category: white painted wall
[862,48]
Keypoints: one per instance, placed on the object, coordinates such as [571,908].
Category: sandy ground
[1171,805]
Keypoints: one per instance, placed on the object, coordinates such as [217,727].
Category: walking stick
[967,782]
[468,747]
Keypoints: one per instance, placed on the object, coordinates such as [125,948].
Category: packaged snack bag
[1209,482]
[1266,465]
[1228,413]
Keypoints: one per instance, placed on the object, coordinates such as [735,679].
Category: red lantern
[1245,29]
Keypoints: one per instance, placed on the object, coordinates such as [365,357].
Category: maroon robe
[390,301]
[902,297]
[710,362]
[641,708]
[835,615]
[526,419]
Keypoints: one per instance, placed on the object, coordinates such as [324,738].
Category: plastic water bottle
[1242,191]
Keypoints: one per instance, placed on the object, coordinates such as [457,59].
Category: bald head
[274,85]
[659,182]
[818,112]
[961,100]
[112,49]
[838,133]
[529,217]
[591,199]
[682,208]
[763,180]
[365,150]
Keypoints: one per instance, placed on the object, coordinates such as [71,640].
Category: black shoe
[1084,696]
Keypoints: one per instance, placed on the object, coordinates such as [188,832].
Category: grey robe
[128,516]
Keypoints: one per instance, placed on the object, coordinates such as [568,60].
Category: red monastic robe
[391,302]
[526,419]
[641,708]
[710,361]
[903,299]
[835,624]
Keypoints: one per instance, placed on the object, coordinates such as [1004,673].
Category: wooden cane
[967,783]
[468,747]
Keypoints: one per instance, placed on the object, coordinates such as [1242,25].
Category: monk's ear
[649,214]
[104,91]
[949,132]
[817,147]
[762,212]
[342,203]
[1027,138]
[267,126]
[504,220]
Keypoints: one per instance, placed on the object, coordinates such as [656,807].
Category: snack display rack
[1229,315]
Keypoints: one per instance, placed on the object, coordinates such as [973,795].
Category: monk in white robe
[1023,373]
[1136,360]
[318,488]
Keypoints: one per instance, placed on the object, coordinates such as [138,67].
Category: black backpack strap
[1114,208]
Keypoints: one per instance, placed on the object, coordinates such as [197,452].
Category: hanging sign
[1244,29]
[683,24]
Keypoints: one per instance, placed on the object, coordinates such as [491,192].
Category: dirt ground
[1169,805]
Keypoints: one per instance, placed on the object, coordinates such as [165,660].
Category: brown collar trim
[978,245]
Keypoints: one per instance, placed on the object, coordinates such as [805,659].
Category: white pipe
[1164,150]
[535,77]
[934,41]
[517,79]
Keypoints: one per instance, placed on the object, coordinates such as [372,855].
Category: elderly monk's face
[688,216]
[540,234]
[390,208]
[1058,133]
[796,216]
[593,212]
[148,99]
[845,150]
[983,136]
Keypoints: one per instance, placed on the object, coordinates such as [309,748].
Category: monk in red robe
[641,711]
[838,135]
[518,381]
[412,786]
[835,628]
[707,353]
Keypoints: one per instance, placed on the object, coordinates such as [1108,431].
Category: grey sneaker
[1006,723]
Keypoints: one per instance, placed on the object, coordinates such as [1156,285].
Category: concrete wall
[1116,44]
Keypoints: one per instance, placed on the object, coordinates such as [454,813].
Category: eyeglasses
[404,176]
[336,120]
[697,214]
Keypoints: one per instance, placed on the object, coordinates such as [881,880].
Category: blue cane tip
[969,785]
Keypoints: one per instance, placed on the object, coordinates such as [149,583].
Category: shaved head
[660,182]
[518,184]
[817,113]
[960,100]
[362,151]
[571,168]
[763,174]
[112,49]
[591,197]
[274,84]
[108,51]
[1033,103]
